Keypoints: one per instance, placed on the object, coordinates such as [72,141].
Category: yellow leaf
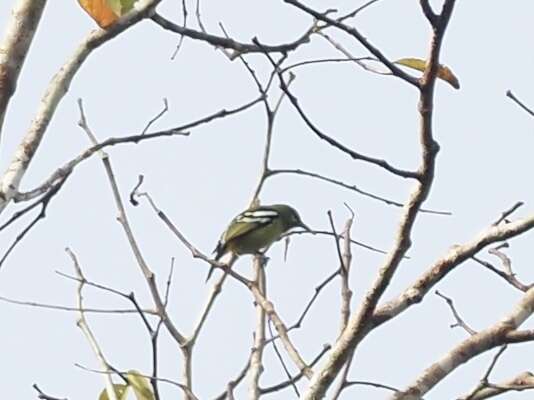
[100,11]
[444,72]
[140,385]
[121,391]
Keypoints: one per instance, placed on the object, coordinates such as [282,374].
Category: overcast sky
[202,181]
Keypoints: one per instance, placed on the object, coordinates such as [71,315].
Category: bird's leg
[262,258]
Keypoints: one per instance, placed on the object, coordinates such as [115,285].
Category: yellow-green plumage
[256,229]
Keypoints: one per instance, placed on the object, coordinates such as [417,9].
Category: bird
[255,229]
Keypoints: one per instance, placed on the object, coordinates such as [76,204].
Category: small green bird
[256,229]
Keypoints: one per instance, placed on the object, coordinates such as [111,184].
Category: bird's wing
[244,223]
[249,221]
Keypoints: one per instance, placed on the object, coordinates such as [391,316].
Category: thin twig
[508,212]
[279,356]
[44,201]
[184,388]
[83,325]
[510,95]
[459,321]
[350,187]
[158,116]
[282,385]
[73,309]
[43,396]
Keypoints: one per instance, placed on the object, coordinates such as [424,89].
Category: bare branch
[184,388]
[184,25]
[282,331]
[58,87]
[158,116]
[43,396]
[333,142]
[215,291]
[459,321]
[44,201]
[194,251]
[73,309]
[510,95]
[82,324]
[290,380]
[14,46]
[328,233]
[505,260]
[227,43]
[429,13]
[350,187]
[445,264]
[357,10]
[346,295]
[359,323]
[123,220]
[233,383]
[318,289]
[508,212]
[491,337]
[373,384]
[67,168]
[523,381]
[512,280]
[296,378]
[359,37]
[256,365]
[508,275]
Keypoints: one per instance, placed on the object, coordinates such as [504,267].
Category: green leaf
[121,391]
[121,7]
[140,385]
[127,5]
[444,72]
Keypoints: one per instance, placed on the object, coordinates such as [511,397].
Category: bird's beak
[306,227]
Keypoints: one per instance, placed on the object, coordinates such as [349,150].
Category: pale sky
[202,181]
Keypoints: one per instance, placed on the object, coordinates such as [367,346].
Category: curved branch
[489,338]
[57,89]
[25,18]
[228,43]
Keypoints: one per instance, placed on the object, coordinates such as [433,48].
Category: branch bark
[58,87]
[358,325]
[18,36]
[494,336]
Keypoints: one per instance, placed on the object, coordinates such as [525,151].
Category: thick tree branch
[494,336]
[445,264]
[358,325]
[523,381]
[58,87]
[18,36]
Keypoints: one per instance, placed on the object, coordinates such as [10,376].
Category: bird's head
[290,217]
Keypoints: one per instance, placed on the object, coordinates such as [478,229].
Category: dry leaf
[444,72]
[100,11]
